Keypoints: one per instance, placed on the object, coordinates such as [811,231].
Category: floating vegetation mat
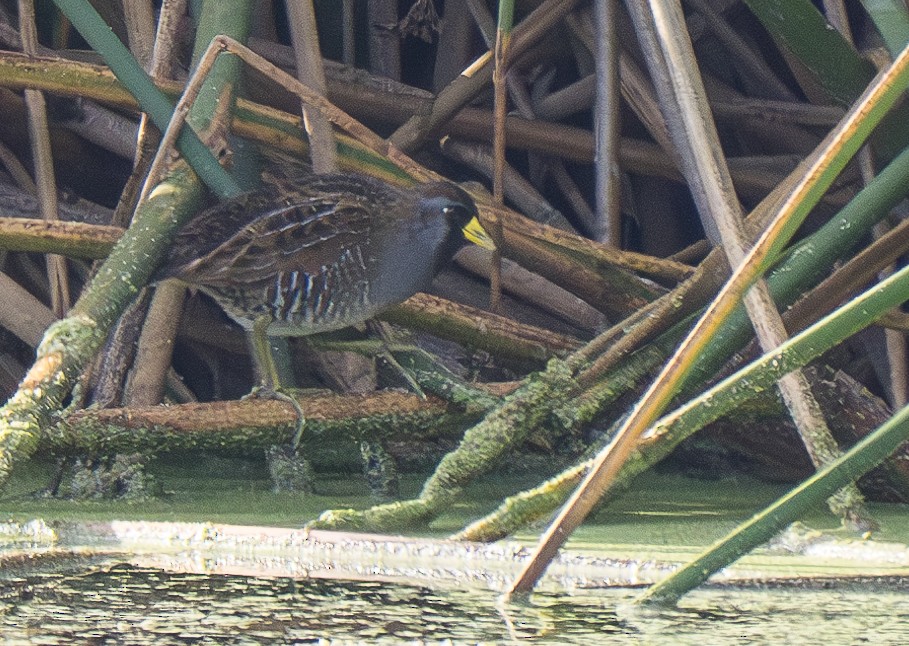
[799,556]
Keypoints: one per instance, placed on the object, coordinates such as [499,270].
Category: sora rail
[321,253]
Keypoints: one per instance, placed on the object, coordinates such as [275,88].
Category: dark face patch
[442,199]
[459,215]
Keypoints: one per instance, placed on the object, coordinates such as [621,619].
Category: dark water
[130,605]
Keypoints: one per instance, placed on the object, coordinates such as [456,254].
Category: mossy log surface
[253,422]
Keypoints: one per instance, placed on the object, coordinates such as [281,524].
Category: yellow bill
[475,233]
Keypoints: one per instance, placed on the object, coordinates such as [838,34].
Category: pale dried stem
[140,30]
[310,72]
[43,160]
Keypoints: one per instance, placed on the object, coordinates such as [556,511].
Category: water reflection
[133,605]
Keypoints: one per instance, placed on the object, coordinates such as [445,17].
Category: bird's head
[448,202]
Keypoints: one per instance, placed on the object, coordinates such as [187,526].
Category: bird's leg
[267,372]
[387,335]
[265,366]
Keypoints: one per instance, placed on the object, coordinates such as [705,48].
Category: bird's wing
[309,234]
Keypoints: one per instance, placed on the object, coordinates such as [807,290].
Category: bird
[320,252]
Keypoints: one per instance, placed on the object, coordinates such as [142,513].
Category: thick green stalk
[671,430]
[891,17]
[831,61]
[129,72]
[805,263]
[811,259]
[71,343]
[801,268]
[799,27]
[833,155]
[860,459]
